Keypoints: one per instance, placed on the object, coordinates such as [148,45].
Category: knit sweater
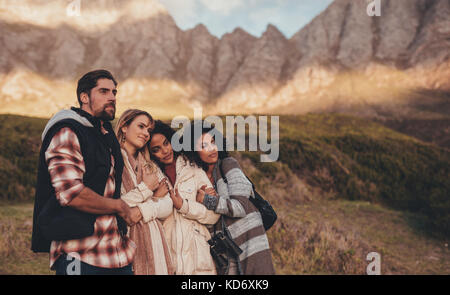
[242,218]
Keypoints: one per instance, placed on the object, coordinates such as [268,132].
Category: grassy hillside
[15,242]
[318,233]
[19,152]
[343,187]
[356,159]
[435,131]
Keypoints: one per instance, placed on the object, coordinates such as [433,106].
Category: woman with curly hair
[186,229]
[231,199]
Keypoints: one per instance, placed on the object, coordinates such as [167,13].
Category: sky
[223,16]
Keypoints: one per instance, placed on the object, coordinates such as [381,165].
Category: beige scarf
[144,262]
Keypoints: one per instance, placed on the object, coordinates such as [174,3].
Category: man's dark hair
[89,81]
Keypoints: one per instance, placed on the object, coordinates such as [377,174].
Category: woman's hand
[176,199]
[212,192]
[202,191]
[162,189]
[150,179]
[201,194]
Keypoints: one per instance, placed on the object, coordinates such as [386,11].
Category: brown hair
[89,81]
[125,120]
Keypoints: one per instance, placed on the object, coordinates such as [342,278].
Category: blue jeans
[71,266]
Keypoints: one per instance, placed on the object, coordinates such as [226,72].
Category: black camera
[221,244]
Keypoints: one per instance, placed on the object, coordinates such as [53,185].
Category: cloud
[262,17]
[221,6]
[184,12]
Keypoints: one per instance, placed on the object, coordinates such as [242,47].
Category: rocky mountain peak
[200,28]
[321,65]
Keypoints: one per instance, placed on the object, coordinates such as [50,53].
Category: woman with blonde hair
[145,189]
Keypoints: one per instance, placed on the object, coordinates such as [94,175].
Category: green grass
[318,233]
[343,187]
[315,236]
[19,152]
[15,242]
[361,160]
[355,158]
[338,235]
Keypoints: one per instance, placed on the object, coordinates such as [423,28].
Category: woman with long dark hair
[186,231]
[230,198]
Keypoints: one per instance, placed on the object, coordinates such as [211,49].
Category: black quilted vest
[51,221]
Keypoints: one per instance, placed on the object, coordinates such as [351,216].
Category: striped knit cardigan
[242,218]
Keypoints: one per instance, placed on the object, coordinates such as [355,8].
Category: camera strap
[222,222]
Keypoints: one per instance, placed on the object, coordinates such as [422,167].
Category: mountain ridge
[408,44]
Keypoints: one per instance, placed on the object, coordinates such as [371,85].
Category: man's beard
[105,116]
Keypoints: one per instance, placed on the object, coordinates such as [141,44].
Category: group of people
[123,201]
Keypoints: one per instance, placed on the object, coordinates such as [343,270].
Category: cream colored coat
[185,229]
[151,208]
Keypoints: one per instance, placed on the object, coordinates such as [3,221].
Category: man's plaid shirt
[106,247]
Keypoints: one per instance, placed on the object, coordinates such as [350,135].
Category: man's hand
[124,211]
[91,202]
[136,215]
[162,189]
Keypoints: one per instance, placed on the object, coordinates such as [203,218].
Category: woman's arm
[230,206]
[140,197]
[156,207]
[165,203]
[233,194]
[151,208]
[165,207]
[137,195]
[194,210]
